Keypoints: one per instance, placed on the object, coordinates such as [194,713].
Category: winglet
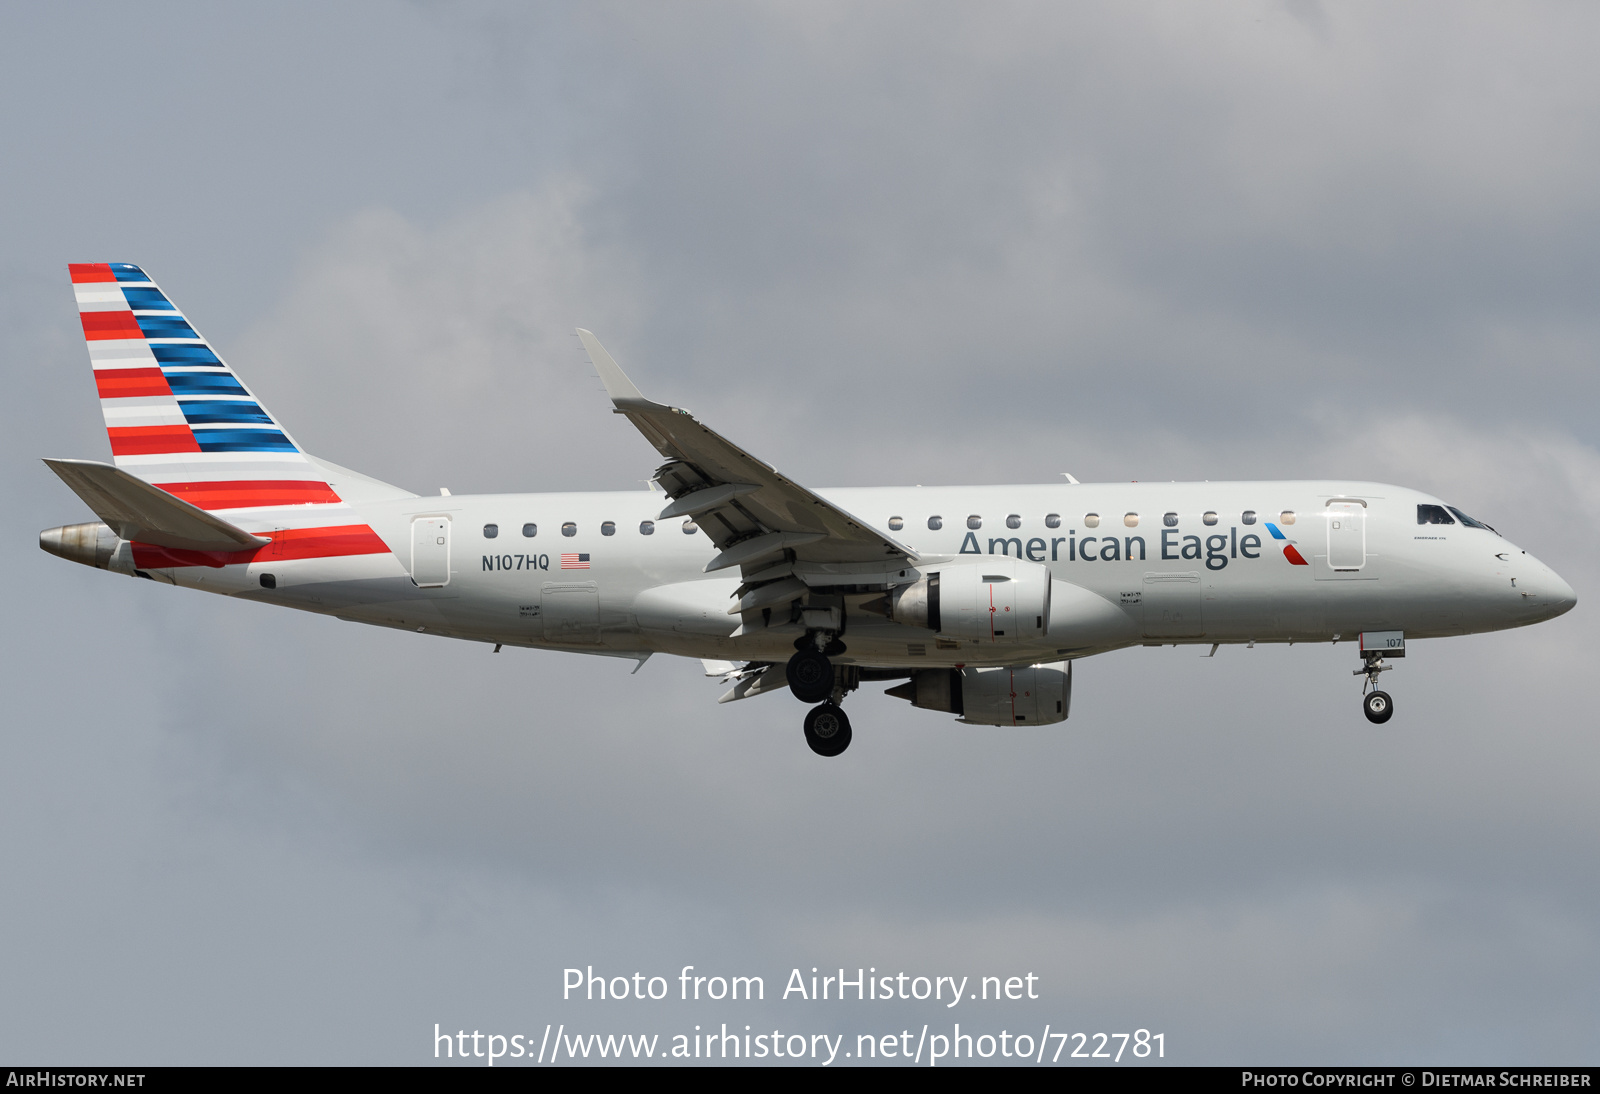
[618,386]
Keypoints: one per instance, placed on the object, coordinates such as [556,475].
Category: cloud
[413,352]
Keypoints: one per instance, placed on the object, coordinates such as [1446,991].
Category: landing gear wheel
[827,730]
[810,676]
[1378,706]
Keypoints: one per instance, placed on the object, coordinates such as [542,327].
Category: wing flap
[761,547]
[136,510]
[757,680]
[707,498]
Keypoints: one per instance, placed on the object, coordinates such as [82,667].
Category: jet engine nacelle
[999,599]
[1018,695]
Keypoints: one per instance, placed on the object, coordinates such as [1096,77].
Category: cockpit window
[1433,514]
[1469,522]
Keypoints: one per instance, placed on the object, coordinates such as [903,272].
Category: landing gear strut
[815,679]
[827,730]
[1377,705]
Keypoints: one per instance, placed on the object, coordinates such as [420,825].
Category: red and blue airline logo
[1288,546]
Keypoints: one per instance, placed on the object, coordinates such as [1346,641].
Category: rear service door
[430,551]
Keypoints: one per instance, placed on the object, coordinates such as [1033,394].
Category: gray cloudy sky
[880,244]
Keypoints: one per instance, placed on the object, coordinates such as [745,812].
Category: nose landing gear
[1378,706]
[1375,704]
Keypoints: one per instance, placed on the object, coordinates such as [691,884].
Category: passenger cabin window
[1170,520]
[1209,518]
[1052,520]
[1247,517]
[1131,519]
[896,523]
[1469,522]
[609,528]
[1433,514]
[530,530]
[974,522]
[647,527]
[569,529]
[1287,516]
[690,528]
[490,531]
[935,523]
[1091,520]
[1014,521]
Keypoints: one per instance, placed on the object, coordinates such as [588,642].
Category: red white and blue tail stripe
[179,418]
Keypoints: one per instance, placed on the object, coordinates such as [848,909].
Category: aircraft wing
[755,515]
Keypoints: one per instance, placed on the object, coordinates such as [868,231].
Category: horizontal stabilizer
[135,510]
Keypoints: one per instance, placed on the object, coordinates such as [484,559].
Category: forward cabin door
[1172,605]
[430,551]
[1347,535]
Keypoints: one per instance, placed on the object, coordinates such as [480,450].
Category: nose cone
[1544,594]
[1559,597]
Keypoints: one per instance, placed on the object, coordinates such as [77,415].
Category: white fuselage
[1134,576]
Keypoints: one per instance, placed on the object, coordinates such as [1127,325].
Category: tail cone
[91,544]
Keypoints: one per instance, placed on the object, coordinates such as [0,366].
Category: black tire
[1378,707]
[827,730]
[810,676]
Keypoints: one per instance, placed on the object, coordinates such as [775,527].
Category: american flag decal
[573,561]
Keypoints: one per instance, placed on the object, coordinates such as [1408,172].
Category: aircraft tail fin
[179,418]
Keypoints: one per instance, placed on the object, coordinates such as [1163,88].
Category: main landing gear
[815,679]
[1377,705]
[810,675]
[827,730]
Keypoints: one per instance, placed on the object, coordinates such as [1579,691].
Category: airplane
[974,601]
